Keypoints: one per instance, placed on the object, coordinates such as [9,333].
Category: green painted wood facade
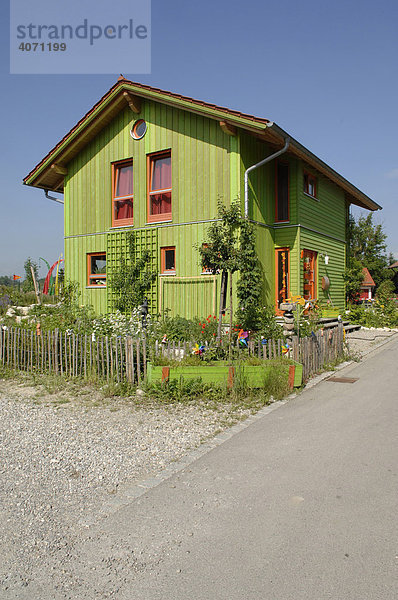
[207,165]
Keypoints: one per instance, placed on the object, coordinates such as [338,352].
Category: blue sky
[325,72]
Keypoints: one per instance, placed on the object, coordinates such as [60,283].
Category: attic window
[139,129]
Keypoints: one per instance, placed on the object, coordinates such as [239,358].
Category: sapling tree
[230,247]
[220,253]
[28,283]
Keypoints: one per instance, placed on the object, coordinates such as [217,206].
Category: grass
[60,390]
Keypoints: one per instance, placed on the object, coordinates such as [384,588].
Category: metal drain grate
[343,379]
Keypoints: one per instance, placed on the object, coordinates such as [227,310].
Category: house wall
[207,166]
[205,169]
[314,224]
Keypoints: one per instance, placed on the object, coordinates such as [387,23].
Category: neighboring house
[367,286]
[156,163]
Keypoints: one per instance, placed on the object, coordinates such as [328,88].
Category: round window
[138,130]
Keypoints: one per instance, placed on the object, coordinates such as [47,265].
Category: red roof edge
[367,279]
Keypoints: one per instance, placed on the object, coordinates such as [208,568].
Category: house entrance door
[281,276]
[309,265]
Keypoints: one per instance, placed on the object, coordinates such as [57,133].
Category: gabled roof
[367,279]
[49,172]
[394,265]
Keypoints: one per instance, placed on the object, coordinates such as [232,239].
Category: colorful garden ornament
[243,336]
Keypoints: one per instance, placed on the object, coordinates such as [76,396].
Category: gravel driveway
[62,460]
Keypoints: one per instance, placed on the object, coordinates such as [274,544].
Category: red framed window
[309,274]
[96,269]
[122,193]
[159,187]
[310,184]
[168,260]
[282,276]
[282,192]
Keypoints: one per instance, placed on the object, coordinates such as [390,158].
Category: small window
[310,185]
[139,129]
[122,193]
[159,187]
[205,269]
[168,260]
[96,269]
[282,192]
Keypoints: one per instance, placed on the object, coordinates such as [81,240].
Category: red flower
[209,317]
[214,317]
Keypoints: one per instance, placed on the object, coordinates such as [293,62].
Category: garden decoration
[47,281]
[243,336]
[198,350]
[285,348]
[144,313]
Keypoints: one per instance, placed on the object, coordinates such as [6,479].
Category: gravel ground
[61,460]
[65,456]
[365,340]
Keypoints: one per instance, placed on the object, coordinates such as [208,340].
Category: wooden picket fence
[319,350]
[73,355]
[117,359]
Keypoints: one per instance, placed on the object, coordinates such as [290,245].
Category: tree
[29,264]
[230,247]
[220,254]
[6,280]
[367,248]
[132,279]
[250,282]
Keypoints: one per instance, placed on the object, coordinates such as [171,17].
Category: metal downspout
[47,195]
[260,164]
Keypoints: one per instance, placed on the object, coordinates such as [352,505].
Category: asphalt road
[302,504]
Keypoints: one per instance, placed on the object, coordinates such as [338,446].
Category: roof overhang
[50,171]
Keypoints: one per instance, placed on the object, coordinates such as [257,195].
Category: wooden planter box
[219,372]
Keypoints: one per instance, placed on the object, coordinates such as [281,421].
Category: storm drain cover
[343,379]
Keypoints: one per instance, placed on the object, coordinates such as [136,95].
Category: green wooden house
[156,163]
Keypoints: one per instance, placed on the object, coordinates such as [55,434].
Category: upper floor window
[310,185]
[96,269]
[122,193]
[159,187]
[282,192]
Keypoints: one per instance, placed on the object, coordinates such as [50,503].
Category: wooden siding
[326,213]
[188,297]
[334,270]
[76,250]
[262,181]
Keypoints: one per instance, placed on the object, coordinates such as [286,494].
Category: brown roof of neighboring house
[367,279]
[394,265]
[50,171]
